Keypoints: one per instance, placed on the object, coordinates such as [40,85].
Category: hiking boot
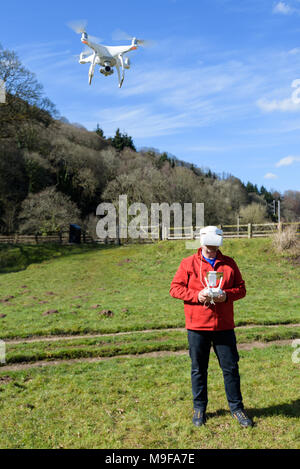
[199,417]
[243,419]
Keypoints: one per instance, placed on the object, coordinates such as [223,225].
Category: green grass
[15,257]
[134,343]
[138,402]
[146,403]
[137,291]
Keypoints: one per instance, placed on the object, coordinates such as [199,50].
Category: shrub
[287,240]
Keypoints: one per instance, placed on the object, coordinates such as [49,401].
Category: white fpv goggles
[211,236]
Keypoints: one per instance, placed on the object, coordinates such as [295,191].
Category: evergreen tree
[266,194]
[251,188]
[120,141]
[99,132]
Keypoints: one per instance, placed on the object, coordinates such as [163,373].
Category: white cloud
[141,121]
[282,8]
[287,161]
[270,176]
[175,99]
[294,51]
[285,105]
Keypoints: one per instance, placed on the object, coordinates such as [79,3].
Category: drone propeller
[119,35]
[79,26]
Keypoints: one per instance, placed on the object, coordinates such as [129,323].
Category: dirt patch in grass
[50,311]
[54,338]
[5,380]
[156,354]
[294,260]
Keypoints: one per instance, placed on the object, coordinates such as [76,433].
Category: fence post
[249,230]
[280,227]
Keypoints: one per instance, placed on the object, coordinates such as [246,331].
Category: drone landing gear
[121,79]
[92,69]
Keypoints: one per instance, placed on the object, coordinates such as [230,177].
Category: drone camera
[107,70]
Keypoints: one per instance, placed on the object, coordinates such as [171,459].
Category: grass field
[146,403]
[48,292]
[133,282]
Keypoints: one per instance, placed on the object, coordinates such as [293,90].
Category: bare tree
[24,95]
[47,211]
[254,213]
[291,206]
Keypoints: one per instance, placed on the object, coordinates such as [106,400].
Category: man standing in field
[210,322]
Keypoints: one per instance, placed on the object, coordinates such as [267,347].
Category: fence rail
[249,230]
[60,238]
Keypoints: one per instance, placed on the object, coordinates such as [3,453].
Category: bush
[287,240]
[47,211]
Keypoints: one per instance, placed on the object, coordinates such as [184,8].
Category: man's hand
[203,297]
[221,298]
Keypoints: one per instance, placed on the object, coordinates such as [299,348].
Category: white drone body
[106,57]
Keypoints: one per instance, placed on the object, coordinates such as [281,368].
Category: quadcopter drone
[107,57]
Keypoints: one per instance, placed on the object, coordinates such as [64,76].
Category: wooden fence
[249,230]
[57,238]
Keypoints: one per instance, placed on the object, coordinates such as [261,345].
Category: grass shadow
[287,409]
[16,257]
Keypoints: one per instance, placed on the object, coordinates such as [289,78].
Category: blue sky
[218,88]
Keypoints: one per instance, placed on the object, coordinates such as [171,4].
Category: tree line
[53,173]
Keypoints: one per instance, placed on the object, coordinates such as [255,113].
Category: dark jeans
[224,344]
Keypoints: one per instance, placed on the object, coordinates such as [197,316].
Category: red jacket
[187,283]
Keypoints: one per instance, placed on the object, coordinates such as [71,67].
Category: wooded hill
[53,173]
